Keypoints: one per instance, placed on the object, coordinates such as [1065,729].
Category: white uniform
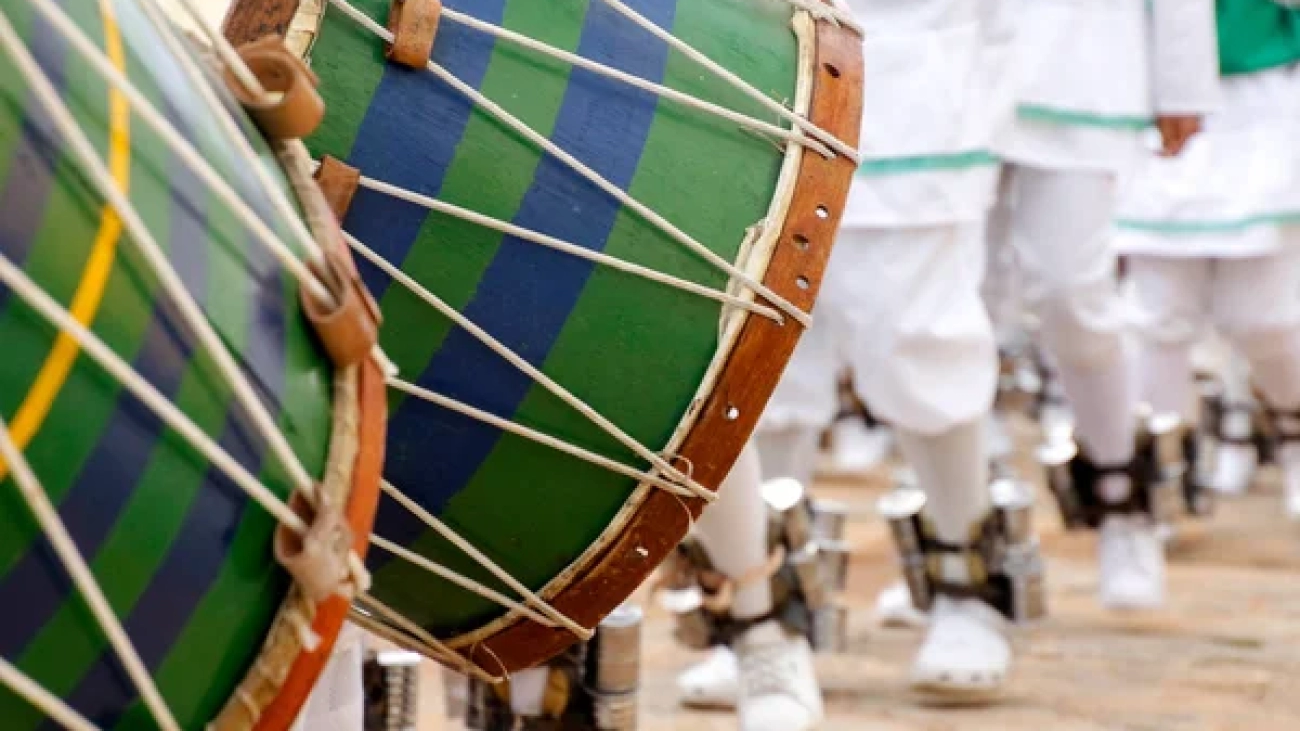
[900,304]
[1100,71]
[1214,239]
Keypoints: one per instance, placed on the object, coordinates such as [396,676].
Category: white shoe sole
[956,691]
[708,704]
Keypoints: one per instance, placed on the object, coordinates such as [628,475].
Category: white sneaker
[1234,467]
[712,683]
[778,687]
[894,608]
[1288,459]
[1131,563]
[856,448]
[966,654]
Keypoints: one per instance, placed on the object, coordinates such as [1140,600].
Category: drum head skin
[183,556]
[647,356]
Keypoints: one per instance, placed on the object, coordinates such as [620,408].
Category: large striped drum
[162,394]
[594,229]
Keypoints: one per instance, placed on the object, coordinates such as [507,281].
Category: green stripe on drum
[147,534]
[64,234]
[562,504]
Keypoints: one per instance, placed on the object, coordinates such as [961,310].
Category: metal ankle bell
[1055,456]
[788,498]
[902,508]
[613,669]
[1016,551]
[829,518]
[397,673]
[830,630]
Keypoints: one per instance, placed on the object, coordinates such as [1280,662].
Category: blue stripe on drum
[26,189]
[36,586]
[132,435]
[528,292]
[196,558]
[411,130]
[166,606]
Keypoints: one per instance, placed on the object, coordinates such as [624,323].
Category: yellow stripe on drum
[94,277]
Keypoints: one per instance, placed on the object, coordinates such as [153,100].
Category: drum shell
[184,551]
[626,137]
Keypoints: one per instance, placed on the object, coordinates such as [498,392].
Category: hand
[1175,131]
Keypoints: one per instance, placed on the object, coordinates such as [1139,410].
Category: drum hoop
[281,678]
[752,353]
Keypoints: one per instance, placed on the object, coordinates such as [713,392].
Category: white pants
[1253,302]
[1058,224]
[902,308]
[338,702]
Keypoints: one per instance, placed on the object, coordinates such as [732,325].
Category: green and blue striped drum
[593,229]
[137,304]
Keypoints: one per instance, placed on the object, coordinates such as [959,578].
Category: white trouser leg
[1000,289]
[952,468]
[788,452]
[1170,302]
[1257,307]
[1061,231]
[922,347]
[924,357]
[1235,375]
[733,530]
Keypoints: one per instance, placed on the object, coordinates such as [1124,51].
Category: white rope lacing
[271,189]
[829,11]
[460,580]
[690,52]
[687,100]
[54,313]
[191,314]
[567,247]
[179,146]
[529,369]
[482,559]
[75,564]
[200,82]
[366,608]
[533,136]
[534,435]
[41,699]
[30,293]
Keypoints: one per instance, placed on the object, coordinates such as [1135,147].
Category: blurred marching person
[909,316]
[1099,73]
[901,305]
[761,664]
[1214,240]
